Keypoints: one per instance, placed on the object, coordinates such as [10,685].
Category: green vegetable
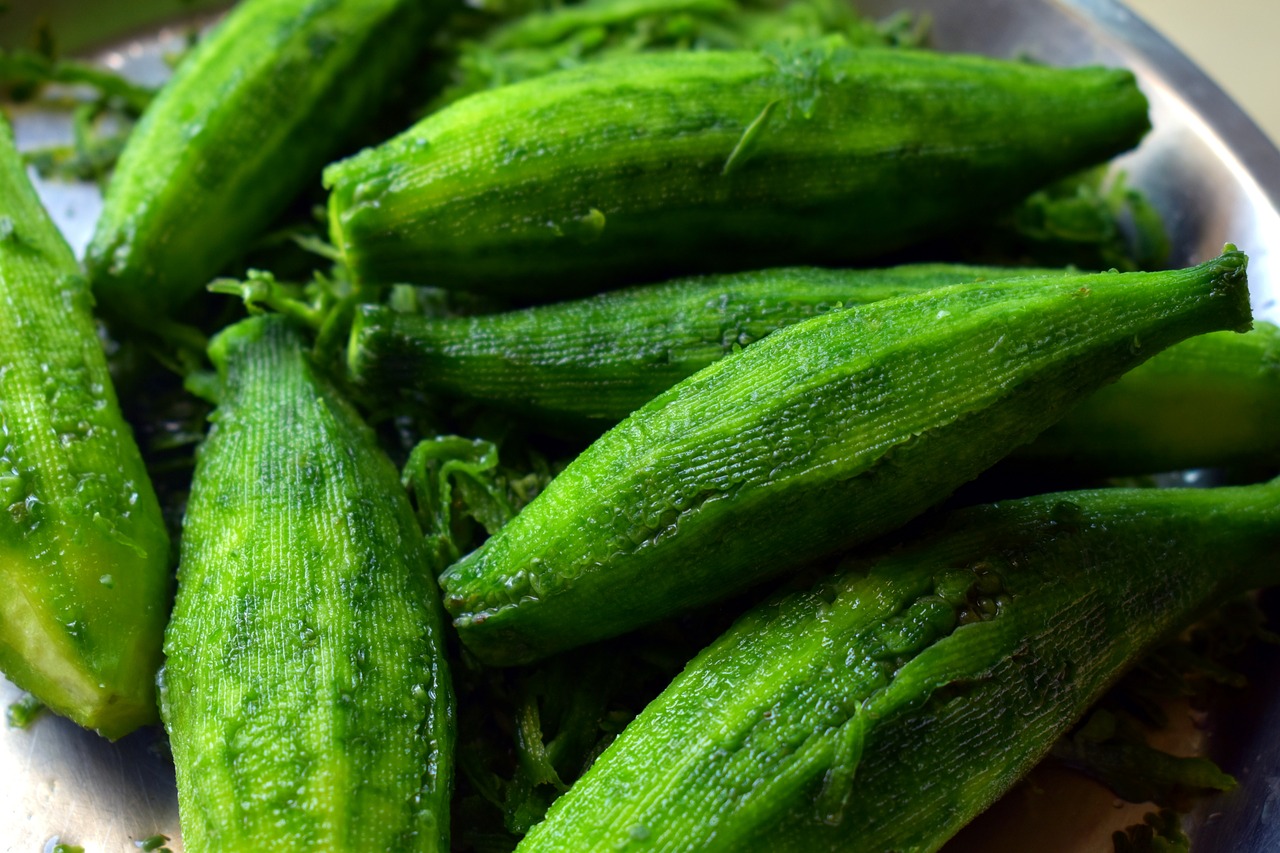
[305,692]
[822,435]
[582,366]
[588,364]
[641,167]
[1209,402]
[886,707]
[250,117]
[85,555]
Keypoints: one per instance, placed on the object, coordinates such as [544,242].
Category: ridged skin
[1206,403]
[888,706]
[248,119]
[305,689]
[587,364]
[822,435]
[580,367]
[621,171]
[84,555]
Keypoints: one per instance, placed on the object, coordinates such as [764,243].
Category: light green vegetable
[84,556]
[305,691]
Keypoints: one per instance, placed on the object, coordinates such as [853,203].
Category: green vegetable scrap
[1160,832]
[155,842]
[1110,748]
[24,75]
[104,106]
[605,30]
[24,711]
[1095,220]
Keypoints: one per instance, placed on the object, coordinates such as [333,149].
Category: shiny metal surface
[1211,172]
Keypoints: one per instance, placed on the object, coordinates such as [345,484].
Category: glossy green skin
[888,706]
[1210,402]
[248,119]
[84,555]
[587,364]
[618,171]
[820,436]
[305,691]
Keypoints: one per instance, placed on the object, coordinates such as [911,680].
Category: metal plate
[1207,167]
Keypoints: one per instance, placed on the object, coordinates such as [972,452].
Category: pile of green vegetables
[492,540]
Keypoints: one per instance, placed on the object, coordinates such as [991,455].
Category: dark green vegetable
[85,566]
[1209,402]
[586,365]
[822,435]
[23,711]
[886,707]
[250,116]
[688,162]
[305,692]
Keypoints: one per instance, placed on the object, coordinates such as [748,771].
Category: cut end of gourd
[110,690]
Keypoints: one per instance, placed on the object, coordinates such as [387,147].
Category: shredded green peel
[23,711]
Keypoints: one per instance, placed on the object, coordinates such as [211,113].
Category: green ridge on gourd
[587,364]
[888,706]
[306,691]
[710,162]
[84,555]
[820,436]
[249,117]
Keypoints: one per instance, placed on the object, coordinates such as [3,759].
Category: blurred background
[1234,41]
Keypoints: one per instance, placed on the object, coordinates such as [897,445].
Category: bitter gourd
[252,114]
[604,30]
[886,707]
[587,364]
[645,167]
[822,435]
[84,554]
[305,691]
